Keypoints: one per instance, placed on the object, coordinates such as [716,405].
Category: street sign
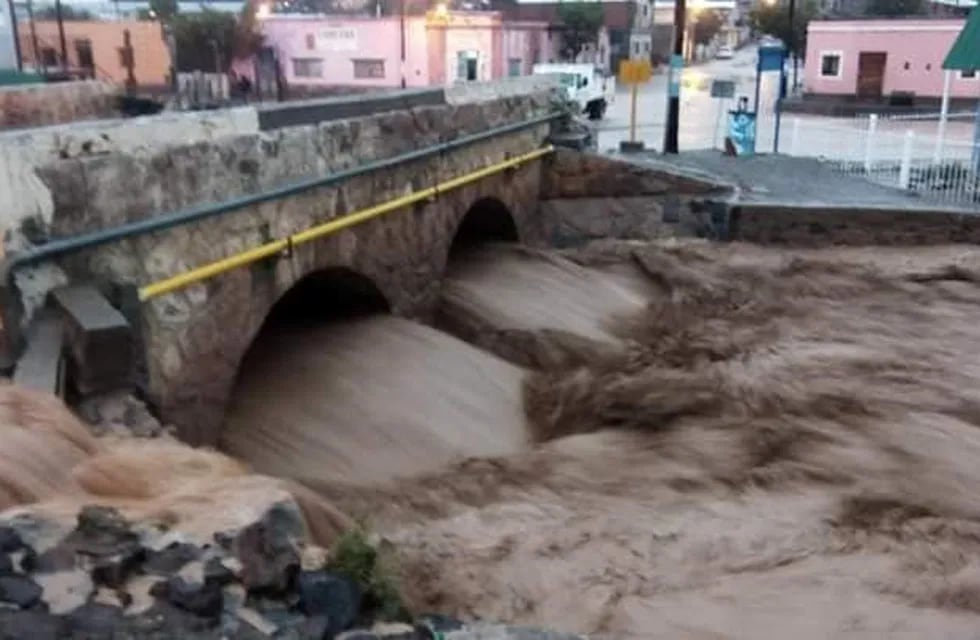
[674,80]
[722,88]
[771,59]
[634,71]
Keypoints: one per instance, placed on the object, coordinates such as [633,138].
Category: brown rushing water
[778,443]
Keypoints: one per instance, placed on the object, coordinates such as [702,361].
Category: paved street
[808,135]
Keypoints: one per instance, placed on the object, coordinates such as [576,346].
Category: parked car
[725,52]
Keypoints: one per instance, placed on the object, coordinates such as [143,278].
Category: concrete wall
[150,56]
[36,105]
[588,197]
[823,226]
[196,337]
[920,44]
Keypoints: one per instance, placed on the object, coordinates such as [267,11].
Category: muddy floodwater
[727,442]
[679,440]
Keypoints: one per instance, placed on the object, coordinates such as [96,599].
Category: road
[843,138]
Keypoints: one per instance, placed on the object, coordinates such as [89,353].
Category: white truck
[584,84]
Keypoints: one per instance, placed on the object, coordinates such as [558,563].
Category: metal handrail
[276,247]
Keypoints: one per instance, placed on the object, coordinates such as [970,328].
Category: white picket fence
[907,152]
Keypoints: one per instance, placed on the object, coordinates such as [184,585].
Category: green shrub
[355,557]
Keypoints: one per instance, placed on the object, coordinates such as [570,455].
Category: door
[871,74]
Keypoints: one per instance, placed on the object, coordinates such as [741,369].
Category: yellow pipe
[269,249]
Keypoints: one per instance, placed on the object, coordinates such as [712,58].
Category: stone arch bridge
[160,268]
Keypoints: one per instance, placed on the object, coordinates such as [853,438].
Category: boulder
[170,559]
[267,550]
[203,599]
[34,624]
[10,540]
[19,591]
[331,595]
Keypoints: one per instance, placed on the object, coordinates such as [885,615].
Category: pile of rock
[108,578]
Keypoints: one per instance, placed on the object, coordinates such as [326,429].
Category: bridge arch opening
[336,293]
[487,220]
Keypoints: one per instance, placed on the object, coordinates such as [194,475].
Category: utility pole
[61,35]
[792,41]
[34,52]
[401,24]
[673,83]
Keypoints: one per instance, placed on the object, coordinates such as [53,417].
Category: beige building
[97,50]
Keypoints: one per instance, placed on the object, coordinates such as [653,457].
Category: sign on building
[337,39]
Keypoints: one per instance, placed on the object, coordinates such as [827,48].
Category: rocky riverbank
[109,578]
[132,535]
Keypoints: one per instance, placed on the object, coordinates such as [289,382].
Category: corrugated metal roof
[965,54]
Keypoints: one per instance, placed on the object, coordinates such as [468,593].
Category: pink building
[871,59]
[319,52]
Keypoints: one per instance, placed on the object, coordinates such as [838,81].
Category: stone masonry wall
[588,196]
[195,338]
[36,105]
[24,197]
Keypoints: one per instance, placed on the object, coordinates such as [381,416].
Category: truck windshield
[567,79]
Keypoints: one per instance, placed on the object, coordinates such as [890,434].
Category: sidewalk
[786,180]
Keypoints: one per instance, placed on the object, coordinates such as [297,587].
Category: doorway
[871,74]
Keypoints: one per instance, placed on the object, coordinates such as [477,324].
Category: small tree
[210,40]
[707,24]
[68,13]
[163,10]
[774,20]
[895,7]
[581,22]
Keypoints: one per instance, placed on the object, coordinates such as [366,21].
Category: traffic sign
[635,71]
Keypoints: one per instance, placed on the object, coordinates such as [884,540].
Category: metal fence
[907,152]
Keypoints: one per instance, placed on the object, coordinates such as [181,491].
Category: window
[514,67]
[636,48]
[646,10]
[467,65]
[310,42]
[308,67]
[646,47]
[830,65]
[83,50]
[968,75]
[369,68]
[49,57]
